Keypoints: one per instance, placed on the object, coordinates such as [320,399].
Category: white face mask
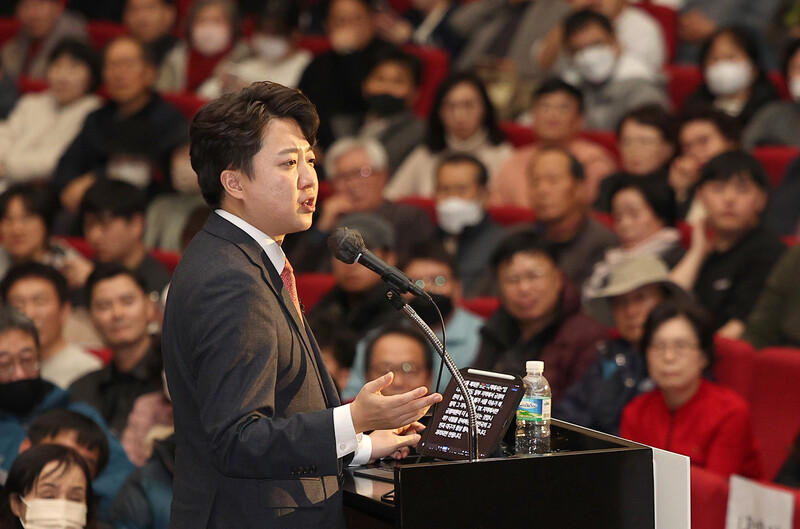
[454,214]
[725,78]
[794,87]
[211,39]
[596,63]
[270,47]
[53,514]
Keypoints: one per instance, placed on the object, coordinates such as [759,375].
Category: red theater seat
[516,134]
[8,28]
[186,102]
[79,244]
[709,492]
[27,85]
[428,205]
[682,81]
[101,32]
[312,286]
[774,159]
[168,259]
[483,307]
[734,364]
[511,215]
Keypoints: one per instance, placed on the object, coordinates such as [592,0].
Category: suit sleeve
[234,360]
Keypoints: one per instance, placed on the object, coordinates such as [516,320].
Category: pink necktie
[288,281]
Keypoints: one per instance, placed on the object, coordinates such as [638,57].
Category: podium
[590,480]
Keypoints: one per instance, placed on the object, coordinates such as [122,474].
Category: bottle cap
[534,366]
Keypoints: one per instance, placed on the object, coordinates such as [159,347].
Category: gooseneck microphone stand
[399,303]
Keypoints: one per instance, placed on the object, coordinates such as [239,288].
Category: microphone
[348,246]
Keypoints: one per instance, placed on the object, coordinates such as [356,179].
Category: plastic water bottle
[533,414]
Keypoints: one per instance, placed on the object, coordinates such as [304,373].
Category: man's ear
[232,183]
[24,445]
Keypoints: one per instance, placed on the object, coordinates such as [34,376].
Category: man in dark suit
[261,436]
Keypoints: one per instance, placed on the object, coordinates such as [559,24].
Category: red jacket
[713,429]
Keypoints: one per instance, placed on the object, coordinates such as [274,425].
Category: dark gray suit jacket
[252,399]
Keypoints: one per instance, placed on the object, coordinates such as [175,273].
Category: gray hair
[375,153]
[12,319]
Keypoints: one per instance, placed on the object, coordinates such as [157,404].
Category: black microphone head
[346,244]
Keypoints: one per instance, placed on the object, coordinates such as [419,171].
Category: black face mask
[385,104]
[20,397]
[427,311]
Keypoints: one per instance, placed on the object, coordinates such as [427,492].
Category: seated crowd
[571,181]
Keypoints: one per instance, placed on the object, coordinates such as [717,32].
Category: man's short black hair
[397,56]
[653,115]
[149,55]
[463,157]
[430,251]
[12,319]
[521,241]
[575,166]
[728,126]
[585,17]
[37,201]
[554,85]
[115,198]
[103,271]
[228,132]
[32,269]
[732,164]
[402,329]
[90,435]
[283,16]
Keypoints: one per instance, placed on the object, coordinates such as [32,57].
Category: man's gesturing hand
[373,411]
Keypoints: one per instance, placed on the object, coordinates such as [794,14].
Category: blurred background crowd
[612,187]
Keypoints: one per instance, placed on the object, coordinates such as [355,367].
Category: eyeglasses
[404,369]
[534,275]
[679,347]
[28,363]
[353,174]
[431,281]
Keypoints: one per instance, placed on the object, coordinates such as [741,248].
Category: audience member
[151,419]
[432,269]
[44,23]
[637,32]
[151,22]
[687,414]
[733,79]
[704,133]
[647,139]
[727,270]
[425,23]
[198,64]
[635,285]
[405,352]
[274,52]
[351,31]
[539,317]
[773,322]
[644,215]
[131,138]
[557,114]
[24,396]
[358,171]
[467,233]
[556,193]
[777,122]
[358,301]
[113,214]
[121,311]
[337,347]
[40,292]
[390,91]
[42,125]
[8,93]
[462,120]
[26,213]
[144,500]
[612,80]
[700,19]
[501,32]
[48,486]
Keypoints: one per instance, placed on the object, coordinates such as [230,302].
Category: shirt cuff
[344,431]
[363,452]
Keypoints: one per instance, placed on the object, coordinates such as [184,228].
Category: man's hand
[76,269]
[371,410]
[72,194]
[396,443]
[336,206]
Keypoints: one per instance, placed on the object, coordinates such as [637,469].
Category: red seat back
[312,286]
[168,260]
[709,499]
[101,32]
[511,215]
[775,401]
[682,81]
[8,28]
[483,307]
[79,244]
[734,365]
[516,134]
[774,159]
[428,205]
[27,85]
[188,104]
